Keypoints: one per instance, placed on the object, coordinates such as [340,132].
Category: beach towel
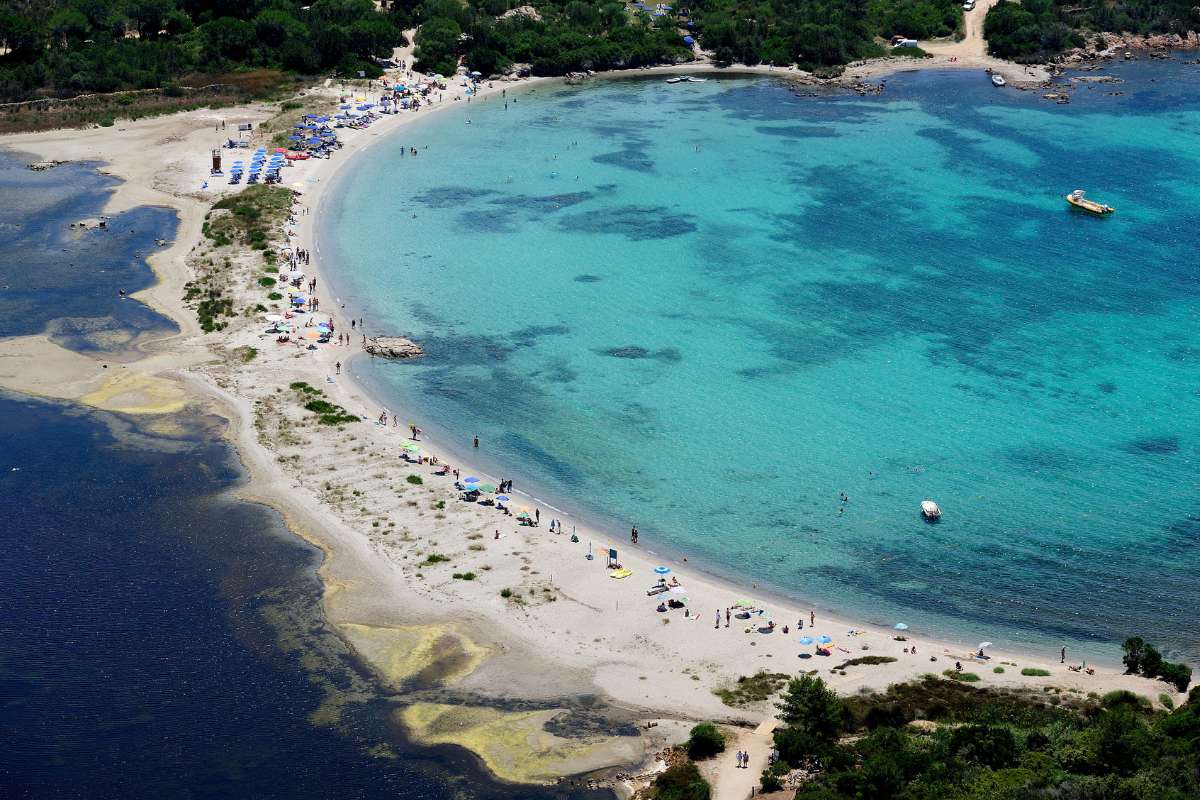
[620,573]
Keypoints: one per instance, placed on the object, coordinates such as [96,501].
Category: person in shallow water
[633,534]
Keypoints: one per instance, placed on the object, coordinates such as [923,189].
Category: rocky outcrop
[393,347]
[38,166]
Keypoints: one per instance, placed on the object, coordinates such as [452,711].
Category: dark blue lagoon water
[66,282]
[159,639]
[709,309]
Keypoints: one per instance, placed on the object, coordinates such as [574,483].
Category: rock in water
[393,347]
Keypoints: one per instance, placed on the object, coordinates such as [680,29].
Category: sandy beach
[538,620]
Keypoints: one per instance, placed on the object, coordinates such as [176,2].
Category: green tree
[435,46]
[69,27]
[705,741]
[810,706]
[1133,647]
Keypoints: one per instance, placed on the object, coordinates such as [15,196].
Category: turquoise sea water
[708,309]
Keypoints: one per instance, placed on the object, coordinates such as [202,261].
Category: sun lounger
[658,589]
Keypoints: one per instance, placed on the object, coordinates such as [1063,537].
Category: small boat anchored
[686,79]
[930,511]
[674,80]
[998,80]
[1077,199]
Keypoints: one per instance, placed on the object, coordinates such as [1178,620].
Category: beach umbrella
[744,604]
[274,318]
[486,488]
[677,590]
[984,644]
[662,570]
[411,447]
[806,640]
[900,626]
[823,639]
[311,334]
[501,498]
[298,125]
[523,515]
[471,479]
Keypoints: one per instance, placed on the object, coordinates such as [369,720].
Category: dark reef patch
[587,279]
[1107,387]
[636,223]
[798,131]
[1152,445]
[667,355]
[631,158]
[451,196]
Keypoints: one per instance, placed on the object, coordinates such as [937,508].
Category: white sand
[575,630]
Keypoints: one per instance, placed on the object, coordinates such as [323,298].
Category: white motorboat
[930,510]
[998,80]
[674,80]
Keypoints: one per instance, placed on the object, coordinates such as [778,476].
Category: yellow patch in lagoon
[137,394]
[429,654]
[514,745]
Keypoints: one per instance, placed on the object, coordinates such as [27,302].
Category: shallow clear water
[707,309]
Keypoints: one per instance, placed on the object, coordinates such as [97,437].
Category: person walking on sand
[726,617]
[537,516]
[338,366]
[718,621]
[1064,656]
[812,619]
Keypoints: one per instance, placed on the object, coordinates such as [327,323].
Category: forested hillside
[1035,30]
[68,47]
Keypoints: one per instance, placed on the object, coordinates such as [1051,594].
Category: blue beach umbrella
[662,570]
[806,640]
[295,138]
[501,498]
[298,125]
[823,639]
[471,479]
[689,40]
[345,107]
[900,626]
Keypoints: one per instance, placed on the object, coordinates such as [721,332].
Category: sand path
[732,783]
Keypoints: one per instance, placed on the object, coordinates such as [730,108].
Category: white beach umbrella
[274,318]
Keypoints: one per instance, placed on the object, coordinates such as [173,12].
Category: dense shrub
[681,782]
[705,741]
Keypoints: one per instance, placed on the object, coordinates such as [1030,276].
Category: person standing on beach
[338,366]
[537,516]
[726,617]
[633,534]
[476,441]
[812,619]
[1064,656]
[718,621]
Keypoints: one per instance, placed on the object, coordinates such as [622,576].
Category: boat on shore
[930,511]
[674,80]
[1077,199]
[998,80]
